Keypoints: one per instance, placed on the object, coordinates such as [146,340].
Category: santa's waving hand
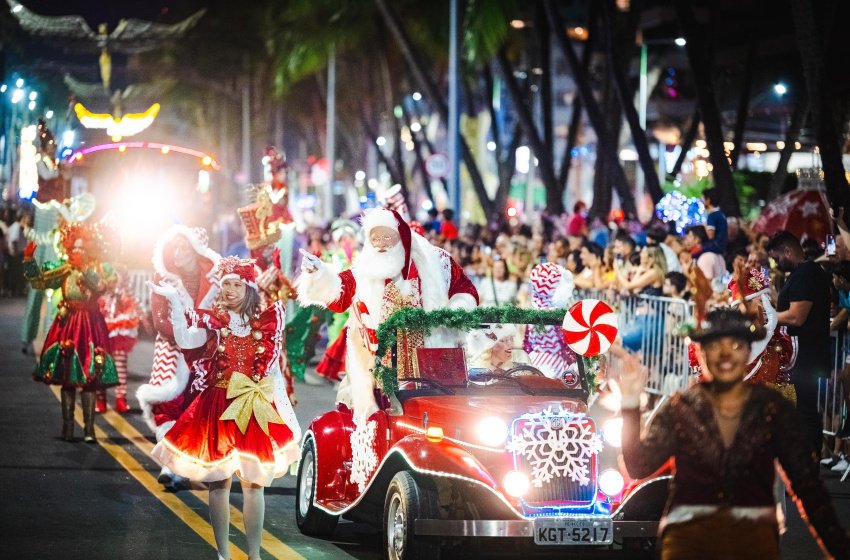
[396,269]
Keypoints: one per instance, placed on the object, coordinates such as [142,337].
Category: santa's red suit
[170,390]
[412,273]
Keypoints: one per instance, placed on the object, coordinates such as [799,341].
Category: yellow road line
[172,502]
[272,544]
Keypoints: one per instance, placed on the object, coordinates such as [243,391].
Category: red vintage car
[464,451]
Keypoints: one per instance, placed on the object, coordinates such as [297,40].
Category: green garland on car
[414,318]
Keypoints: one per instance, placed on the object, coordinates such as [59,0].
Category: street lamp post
[453,124]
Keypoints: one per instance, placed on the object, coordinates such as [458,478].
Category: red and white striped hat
[241,269]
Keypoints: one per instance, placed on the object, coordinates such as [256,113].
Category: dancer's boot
[68,398]
[100,406]
[88,398]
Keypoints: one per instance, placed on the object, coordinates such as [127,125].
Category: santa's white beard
[373,265]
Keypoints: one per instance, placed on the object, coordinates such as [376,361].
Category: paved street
[72,500]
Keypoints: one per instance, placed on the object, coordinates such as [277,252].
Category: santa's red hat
[240,269]
[393,220]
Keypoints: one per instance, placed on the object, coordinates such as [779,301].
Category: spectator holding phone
[716,224]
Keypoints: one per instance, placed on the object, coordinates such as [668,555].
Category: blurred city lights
[523,159]
[756,146]
[628,154]
[360,175]
[680,41]
[20,82]
[33,95]
[165,149]
[206,160]
[517,24]
[48,114]
[381,141]
[122,148]
[780,89]
[427,204]
[417,96]
[3,88]
[31,105]
[415,127]
[780,145]
[68,137]
[18,95]
[797,145]
[491,146]
[511,212]
[17,8]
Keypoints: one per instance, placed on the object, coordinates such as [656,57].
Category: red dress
[242,422]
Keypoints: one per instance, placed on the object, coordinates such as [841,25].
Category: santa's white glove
[185,336]
[309,263]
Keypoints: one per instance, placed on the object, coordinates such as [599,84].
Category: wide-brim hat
[727,322]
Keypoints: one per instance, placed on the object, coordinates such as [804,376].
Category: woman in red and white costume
[396,269]
[242,422]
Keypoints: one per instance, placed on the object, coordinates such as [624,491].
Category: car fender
[331,433]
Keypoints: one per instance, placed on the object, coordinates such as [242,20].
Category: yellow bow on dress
[249,397]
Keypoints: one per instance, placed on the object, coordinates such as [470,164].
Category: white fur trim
[321,287]
[564,290]
[357,388]
[379,217]
[462,301]
[149,395]
[163,428]
[235,276]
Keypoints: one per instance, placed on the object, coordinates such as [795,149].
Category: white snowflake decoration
[567,451]
[363,457]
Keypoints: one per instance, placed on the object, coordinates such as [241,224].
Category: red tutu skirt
[202,447]
[334,361]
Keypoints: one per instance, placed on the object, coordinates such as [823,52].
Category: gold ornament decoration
[221,348]
[225,331]
[257,335]
[261,349]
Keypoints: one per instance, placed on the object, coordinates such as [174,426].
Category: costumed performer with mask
[181,259]
[396,269]
[242,422]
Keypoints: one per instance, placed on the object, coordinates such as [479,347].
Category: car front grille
[558,453]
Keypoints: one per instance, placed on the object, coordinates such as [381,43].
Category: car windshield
[502,358]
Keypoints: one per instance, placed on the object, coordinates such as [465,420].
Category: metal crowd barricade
[664,354]
[831,394]
[138,278]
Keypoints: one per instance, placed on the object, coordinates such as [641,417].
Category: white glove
[185,336]
[310,263]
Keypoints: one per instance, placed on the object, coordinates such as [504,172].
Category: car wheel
[310,519]
[407,501]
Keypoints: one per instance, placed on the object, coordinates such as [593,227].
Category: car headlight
[493,431]
[612,432]
[516,483]
[611,482]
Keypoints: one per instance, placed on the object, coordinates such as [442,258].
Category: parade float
[474,442]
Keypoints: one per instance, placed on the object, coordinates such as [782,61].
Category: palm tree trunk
[746,87]
[707,100]
[625,96]
[575,118]
[554,204]
[420,161]
[429,86]
[798,120]
[607,146]
[821,104]
[687,142]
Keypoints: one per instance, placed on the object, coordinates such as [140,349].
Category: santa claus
[396,269]
[182,259]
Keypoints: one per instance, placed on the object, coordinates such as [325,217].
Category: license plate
[573,530]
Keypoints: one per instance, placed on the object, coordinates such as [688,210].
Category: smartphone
[830,245]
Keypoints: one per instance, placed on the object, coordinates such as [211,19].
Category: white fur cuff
[462,301]
[321,287]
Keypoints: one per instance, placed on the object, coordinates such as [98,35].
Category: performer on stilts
[242,422]
[396,269]
[76,352]
[182,259]
[48,198]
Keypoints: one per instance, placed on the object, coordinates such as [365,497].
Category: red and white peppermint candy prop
[590,326]
[365,325]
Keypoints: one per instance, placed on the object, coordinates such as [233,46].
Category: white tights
[253,512]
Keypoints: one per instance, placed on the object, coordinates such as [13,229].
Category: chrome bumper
[516,528]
